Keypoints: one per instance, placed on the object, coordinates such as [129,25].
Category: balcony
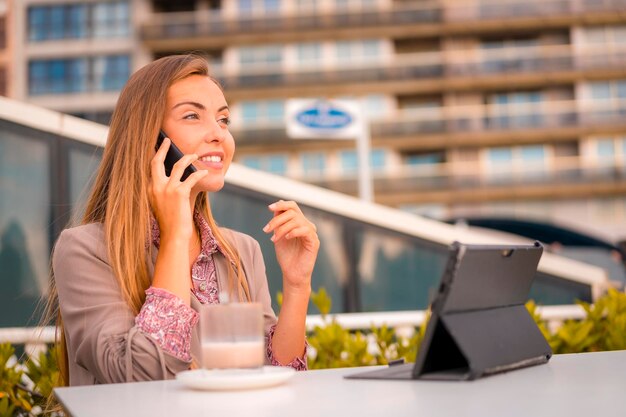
[432,72]
[462,183]
[211,29]
[470,126]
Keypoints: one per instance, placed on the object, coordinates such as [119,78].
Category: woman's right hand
[171,199]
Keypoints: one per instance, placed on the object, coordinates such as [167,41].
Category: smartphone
[172,156]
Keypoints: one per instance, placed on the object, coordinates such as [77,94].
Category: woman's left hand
[296,243]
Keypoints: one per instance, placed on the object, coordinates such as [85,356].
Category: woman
[148,245]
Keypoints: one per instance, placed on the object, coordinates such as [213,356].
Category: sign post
[334,119]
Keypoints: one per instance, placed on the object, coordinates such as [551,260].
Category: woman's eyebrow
[192,103]
[197,105]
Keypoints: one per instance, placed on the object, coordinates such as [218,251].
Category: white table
[585,385]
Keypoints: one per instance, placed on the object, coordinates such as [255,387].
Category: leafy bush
[603,328]
[336,347]
[25,387]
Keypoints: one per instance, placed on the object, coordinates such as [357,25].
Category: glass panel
[349,162]
[313,163]
[275,110]
[249,111]
[253,162]
[600,90]
[24,223]
[606,148]
[396,273]
[83,166]
[277,164]
[247,212]
[533,153]
[500,155]
[377,159]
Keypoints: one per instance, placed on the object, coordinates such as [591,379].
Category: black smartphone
[172,156]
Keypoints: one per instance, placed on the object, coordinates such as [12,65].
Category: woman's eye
[224,120]
[191,116]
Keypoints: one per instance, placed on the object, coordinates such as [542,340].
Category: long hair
[119,199]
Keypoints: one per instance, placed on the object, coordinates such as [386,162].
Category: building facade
[476,107]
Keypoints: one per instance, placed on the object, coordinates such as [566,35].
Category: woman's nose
[215,133]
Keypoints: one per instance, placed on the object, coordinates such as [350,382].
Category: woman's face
[196,120]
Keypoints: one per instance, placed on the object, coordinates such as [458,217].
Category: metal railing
[471,119]
[205,23]
[445,66]
[35,339]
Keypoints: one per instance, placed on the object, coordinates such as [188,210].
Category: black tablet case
[479,323]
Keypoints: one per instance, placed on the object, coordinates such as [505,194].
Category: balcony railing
[441,177]
[200,24]
[445,67]
[603,115]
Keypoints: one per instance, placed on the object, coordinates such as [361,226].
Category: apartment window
[260,55]
[276,164]
[604,34]
[258,6]
[110,20]
[350,163]
[313,163]
[520,162]
[76,75]
[346,51]
[111,72]
[309,53]
[605,90]
[424,159]
[609,100]
[74,21]
[518,109]
[262,111]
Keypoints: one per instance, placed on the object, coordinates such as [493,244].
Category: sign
[322,119]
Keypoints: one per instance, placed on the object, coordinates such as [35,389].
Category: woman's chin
[210,184]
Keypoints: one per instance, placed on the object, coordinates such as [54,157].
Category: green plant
[24,387]
[603,328]
[336,347]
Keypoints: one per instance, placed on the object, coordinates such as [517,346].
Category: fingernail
[273,238]
[266,227]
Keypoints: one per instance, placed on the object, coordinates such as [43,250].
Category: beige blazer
[104,346]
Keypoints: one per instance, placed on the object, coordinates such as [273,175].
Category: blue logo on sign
[324,116]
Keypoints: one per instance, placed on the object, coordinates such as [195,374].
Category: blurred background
[488,116]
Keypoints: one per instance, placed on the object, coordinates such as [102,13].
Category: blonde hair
[119,198]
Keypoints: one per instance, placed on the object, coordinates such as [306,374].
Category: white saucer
[235,379]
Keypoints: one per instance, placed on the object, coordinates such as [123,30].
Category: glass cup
[231,336]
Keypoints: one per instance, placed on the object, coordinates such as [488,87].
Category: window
[110,20]
[313,163]
[270,54]
[369,49]
[424,159]
[350,161]
[74,21]
[77,75]
[262,111]
[527,163]
[258,6]
[309,53]
[609,99]
[111,72]
[276,164]
[518,109]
